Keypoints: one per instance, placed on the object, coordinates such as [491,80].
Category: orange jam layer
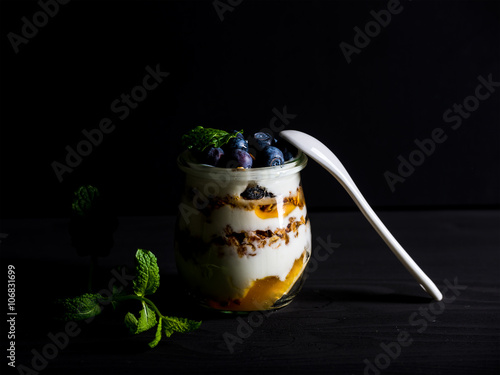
[283,208]
[263,293]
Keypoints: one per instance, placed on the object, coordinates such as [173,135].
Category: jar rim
[187,163]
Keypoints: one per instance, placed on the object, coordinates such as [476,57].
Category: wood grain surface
[359,312]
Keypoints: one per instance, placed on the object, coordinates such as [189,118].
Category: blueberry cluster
[258,150]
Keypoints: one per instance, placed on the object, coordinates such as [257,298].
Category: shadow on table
[358,294]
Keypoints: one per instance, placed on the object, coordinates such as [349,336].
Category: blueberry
[238,134]
[255,192]
[264,137]
[240,158]
[287,154]
[273,156]
[261,140]
[237,143]
[212,156]
[289,151]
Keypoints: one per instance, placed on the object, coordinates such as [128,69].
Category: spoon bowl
[327,159]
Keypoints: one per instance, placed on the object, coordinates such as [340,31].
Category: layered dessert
[243,235]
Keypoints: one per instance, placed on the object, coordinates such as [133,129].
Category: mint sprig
[200,138]
[146,283]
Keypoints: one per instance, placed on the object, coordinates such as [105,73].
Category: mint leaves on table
[200,138]
[146,283]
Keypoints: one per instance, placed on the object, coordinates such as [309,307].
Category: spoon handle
[325,157]
[412,267]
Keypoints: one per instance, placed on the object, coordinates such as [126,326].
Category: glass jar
[243,238]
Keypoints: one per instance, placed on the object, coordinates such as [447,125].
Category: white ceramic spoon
[319,152]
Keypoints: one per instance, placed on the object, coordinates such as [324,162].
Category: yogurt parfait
[243,237]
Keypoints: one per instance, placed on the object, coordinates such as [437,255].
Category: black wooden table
[360,312]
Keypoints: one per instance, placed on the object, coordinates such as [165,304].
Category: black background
[231,74]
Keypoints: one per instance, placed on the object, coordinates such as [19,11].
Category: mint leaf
[181,325]
[84,201]
[147,320]
[81,307]
[148,273]
[200,138]
[131,322]
[157,339]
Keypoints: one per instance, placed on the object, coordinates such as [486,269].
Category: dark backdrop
[231,73]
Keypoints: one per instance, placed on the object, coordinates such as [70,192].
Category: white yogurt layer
[221,185]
